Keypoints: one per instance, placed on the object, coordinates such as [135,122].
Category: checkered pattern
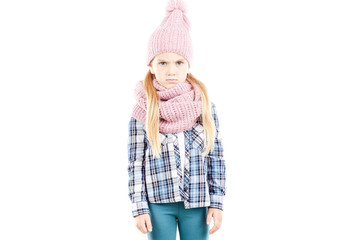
[158,180]
[183,194]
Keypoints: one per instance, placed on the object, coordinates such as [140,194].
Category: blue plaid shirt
[159,180]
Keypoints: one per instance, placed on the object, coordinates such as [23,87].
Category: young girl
[176,165]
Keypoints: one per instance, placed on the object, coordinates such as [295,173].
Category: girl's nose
[171,69]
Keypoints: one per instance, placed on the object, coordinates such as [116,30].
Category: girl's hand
[143,223]
[217,215]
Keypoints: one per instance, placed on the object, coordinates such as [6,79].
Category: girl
[176,166]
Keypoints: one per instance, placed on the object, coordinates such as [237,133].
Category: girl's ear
[151,70]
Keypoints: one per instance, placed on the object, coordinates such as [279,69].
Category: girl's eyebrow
[161,60]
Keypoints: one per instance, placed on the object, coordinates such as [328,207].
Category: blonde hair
[153,119]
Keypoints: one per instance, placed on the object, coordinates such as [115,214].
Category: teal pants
[165,217]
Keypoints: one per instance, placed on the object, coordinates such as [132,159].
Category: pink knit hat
[173,34]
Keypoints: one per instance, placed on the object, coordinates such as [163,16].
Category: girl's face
[169,69]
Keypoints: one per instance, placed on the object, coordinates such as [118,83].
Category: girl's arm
[216,167]
[136,156]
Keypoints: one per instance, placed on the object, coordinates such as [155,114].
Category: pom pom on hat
[173,34]
[174,4]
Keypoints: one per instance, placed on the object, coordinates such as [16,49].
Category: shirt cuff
[216,201]
[139,208]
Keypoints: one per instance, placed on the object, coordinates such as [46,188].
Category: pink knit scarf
[180,106]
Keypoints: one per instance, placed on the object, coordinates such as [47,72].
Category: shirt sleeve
[136,170]
[216,167]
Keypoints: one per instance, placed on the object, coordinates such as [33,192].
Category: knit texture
[173,34]
[179,107]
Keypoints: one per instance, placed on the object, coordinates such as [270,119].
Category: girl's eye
[180,62]
[161,63]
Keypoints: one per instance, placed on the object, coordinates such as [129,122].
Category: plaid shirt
[159,180]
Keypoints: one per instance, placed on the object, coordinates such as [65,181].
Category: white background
[284,76]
